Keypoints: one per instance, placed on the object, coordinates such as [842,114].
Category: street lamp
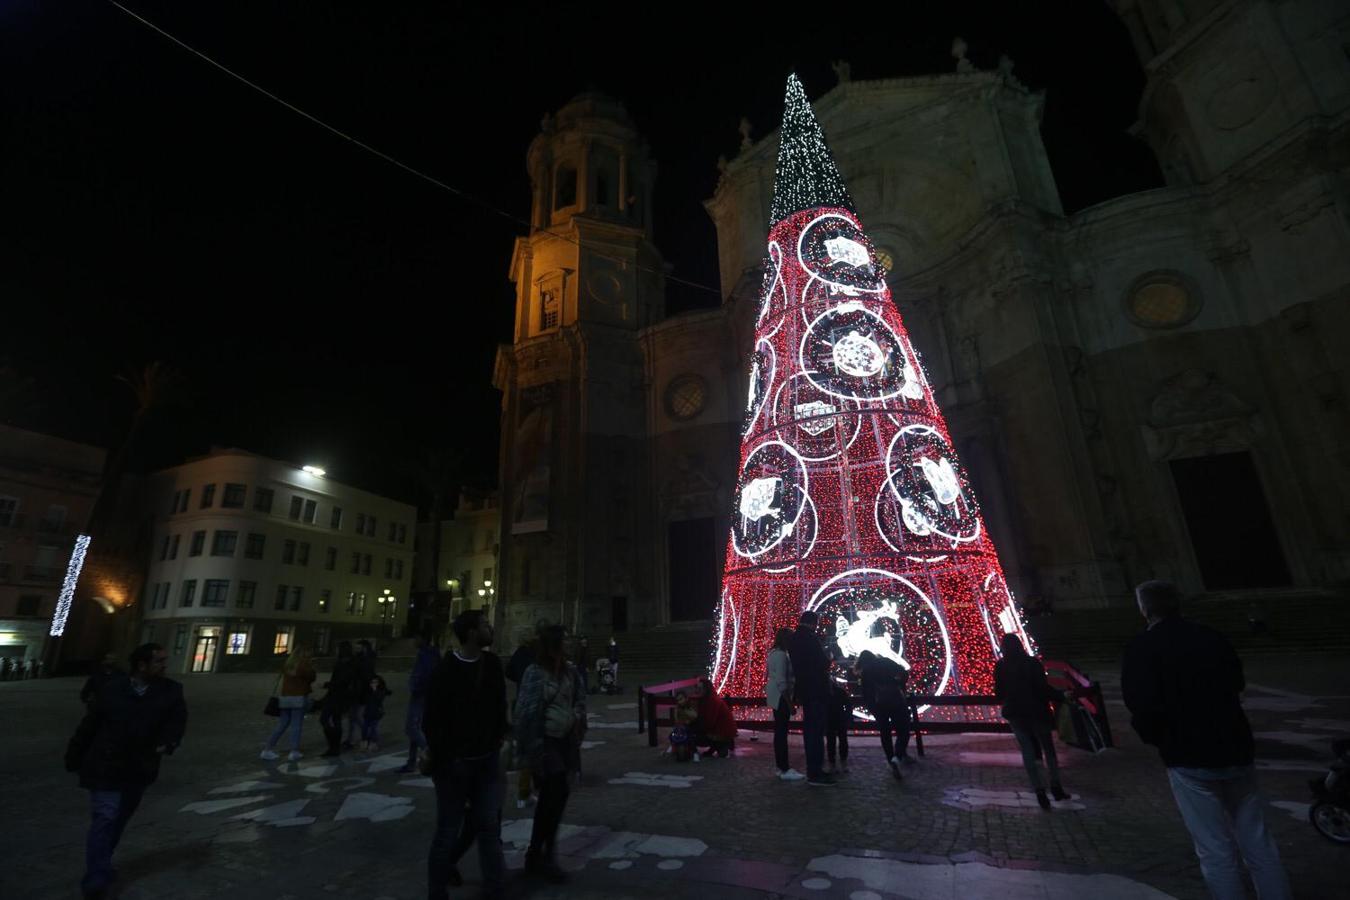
[387,601]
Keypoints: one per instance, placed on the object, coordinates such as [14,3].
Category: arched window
[565,187]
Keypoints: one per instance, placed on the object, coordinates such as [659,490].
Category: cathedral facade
[1155,386]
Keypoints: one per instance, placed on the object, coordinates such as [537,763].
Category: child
[839,715]
[374,711]
[681,741]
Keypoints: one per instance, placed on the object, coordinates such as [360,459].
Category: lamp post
[387,601]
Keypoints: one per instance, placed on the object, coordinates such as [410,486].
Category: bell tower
[589,257]
[588,280]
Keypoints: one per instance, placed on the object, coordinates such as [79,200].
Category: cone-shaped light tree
[850,499]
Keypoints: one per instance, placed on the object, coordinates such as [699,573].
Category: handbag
[273,705]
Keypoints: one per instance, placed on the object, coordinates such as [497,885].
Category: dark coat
[116,744]
[883,682]
[1021,686]
[810,666]
[343,686]
[465,714]
[1181,682]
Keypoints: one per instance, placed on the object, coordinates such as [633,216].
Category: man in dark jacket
[811,668]
[465,723]
[133,721]
[1182,684]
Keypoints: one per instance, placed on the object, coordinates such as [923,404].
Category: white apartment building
[253,556]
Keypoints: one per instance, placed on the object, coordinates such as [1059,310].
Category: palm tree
[438,474]
[117,553]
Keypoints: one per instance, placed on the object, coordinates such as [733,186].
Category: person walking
[521,660]
[364,661]
[550,719]
[465,725]
[132,722]
[778,687]
[1182,684]
[1021,686]
[293,687]
[340,697]
[811,670]
[883,691]
[424,664]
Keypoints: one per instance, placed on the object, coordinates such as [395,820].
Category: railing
[656,704]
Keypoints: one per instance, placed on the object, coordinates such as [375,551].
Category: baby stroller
[606,676]
[1330,813]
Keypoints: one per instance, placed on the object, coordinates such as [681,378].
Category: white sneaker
[791,775]
[520,804]
[698,757]
[895,760]
[294,755]
[268,754]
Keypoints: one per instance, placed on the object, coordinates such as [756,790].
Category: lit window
[236,642]
[325,597]
[282,643]
[548,310]
[361,604]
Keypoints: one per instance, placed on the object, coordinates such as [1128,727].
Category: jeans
[893,718]
[111,812]
[548,813]
[289,718]
[412,727]
[355,723]
[836,730]
[1223,812]
[477,783]
[370,728]
[1030,736]
[781,715]
[813,735]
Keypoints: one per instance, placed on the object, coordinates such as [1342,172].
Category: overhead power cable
[392,160]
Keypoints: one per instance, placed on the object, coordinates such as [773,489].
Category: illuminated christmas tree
[850,500]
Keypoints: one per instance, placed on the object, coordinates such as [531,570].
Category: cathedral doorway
[1231,528]
[694,571]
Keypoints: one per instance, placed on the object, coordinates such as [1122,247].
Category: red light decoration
[850,499]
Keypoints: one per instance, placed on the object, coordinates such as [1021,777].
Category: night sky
[324,305]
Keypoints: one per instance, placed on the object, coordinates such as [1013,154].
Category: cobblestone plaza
[220,823]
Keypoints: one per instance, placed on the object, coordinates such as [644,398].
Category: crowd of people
[471,719]
[19,669]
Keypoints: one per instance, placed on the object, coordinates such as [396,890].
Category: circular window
[1162,300]
[686,395]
